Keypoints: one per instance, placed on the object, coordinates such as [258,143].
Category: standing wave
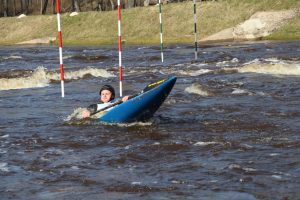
[41,77]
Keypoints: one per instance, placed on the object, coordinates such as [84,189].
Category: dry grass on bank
[141,25]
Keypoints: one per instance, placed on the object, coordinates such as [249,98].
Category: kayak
[142,106]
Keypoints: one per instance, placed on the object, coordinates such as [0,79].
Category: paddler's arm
[89,110]
[125,98]
[92,109]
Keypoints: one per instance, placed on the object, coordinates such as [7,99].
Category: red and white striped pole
[120,47]
[60,49]
[161,32]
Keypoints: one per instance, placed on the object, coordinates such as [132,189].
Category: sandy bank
[47,40]
[259,25]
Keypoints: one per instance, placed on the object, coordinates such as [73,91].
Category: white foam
[274,154]
[36,79]
[247,146]
[77,114]
[235,60]
[248,169]
[194,73]
[234,166]
[127,147]
[227,63]
[197,89]
[175,182]
[223,64]
[75,167]
[5,136]
[199,64]
[204,143]
[273,60]
[3,151]
[277,177]
[252,61]
[12,57]
[3,167]
[273,69]
[65,57]
[136,183]
[74,75]
[240,91]
[41,77]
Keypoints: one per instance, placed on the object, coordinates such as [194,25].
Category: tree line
[36,7]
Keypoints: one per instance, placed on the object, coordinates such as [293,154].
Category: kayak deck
[143,106]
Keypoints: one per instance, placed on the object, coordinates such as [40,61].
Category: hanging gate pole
[60,49]
[161,32]
[120,48]
[195,30]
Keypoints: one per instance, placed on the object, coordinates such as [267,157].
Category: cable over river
[228,130]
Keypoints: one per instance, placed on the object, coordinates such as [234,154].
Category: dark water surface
[228,130]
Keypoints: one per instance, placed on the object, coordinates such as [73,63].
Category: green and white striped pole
[161,32]
[195,30]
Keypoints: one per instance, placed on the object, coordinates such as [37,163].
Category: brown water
[229,129]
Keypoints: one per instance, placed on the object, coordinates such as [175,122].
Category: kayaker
[107,96]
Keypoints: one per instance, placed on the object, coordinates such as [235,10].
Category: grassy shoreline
[141,25]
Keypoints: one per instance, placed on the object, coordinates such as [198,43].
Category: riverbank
[141,25]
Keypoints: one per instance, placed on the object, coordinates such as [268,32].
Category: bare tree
[53,6]
[5,8]
[14,8]
[24,6]
[75,6]
[44,5]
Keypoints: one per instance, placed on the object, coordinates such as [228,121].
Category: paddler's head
[107,93]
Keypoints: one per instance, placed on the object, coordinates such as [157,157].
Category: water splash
[197,89]
[76,115]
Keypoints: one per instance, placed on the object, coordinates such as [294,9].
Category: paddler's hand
[86,114]
[125,98]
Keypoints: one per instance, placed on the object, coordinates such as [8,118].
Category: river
[228,130]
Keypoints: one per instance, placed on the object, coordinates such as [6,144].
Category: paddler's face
[105,96]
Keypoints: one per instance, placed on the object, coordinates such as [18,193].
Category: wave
[41,77]
[197,89]
[11,57]
[273,69]
[4,167]
[74,75]
[206,143]
[37,79]
[241,91]
[195,72]
[227,63]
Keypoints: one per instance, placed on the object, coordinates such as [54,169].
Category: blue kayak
[142,106]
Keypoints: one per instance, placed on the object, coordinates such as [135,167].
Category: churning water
[228,130]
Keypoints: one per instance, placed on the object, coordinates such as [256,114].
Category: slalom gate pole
[120,48]
[60,49]
[161,32]
[195,30]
